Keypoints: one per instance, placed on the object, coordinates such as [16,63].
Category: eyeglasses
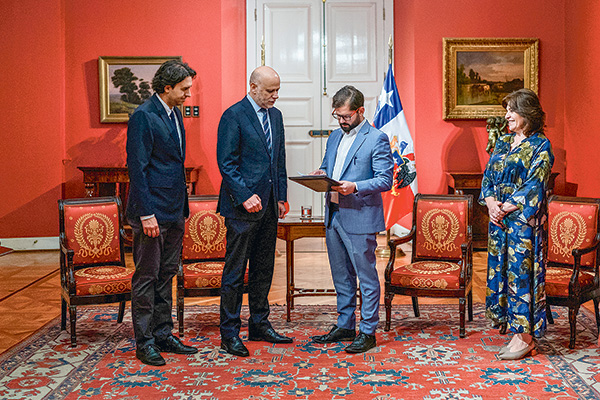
[343,117]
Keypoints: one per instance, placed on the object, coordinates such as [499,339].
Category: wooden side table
[290,229]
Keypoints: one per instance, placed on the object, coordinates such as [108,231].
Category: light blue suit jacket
[369,164]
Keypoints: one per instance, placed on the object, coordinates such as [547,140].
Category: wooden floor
[30,285]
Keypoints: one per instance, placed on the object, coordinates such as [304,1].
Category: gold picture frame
[121,94]
[479,72]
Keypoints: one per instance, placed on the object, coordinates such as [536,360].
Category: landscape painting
[125,83]
[485,77]
[479,73]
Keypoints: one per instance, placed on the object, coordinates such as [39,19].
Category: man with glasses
[359,157]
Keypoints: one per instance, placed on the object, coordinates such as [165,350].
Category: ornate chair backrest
[91,227]
[205,230]
[442,224]
[573,222]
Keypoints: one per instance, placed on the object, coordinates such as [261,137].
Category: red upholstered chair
[442,255]
[203,254]
[573,256]
[92,263]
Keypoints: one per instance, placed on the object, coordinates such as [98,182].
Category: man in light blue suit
[359,157]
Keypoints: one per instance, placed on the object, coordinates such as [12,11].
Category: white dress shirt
[340,157]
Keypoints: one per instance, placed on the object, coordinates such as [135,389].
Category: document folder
[318,183]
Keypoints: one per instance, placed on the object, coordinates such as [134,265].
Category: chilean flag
[389,118]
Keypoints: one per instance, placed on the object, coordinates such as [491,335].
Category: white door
[317,46]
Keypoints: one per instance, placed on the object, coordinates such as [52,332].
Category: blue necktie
[266,127]
[172,118]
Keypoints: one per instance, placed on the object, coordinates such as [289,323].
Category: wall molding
[31,243]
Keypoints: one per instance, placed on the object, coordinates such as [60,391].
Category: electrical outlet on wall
[187,111]
[196,111]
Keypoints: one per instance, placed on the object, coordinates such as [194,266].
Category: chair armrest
[467,270]
[180,276]
[393,244]
[577,253]
[67,271]
[123,235]
[585,250]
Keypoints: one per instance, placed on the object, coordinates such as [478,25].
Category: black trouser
[251,242]
[156,262]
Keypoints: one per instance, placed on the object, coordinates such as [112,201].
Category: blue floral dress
[516,254]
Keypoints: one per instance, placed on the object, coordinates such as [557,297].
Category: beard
[348,127]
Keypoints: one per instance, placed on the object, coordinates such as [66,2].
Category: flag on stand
[389,118]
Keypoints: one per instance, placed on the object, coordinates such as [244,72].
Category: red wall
[32,103]
[116,28]
[53,119]
[460,145]
[582,100]
[51,112]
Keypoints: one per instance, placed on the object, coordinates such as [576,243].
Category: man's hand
[345,188]
[150,226]
[318,172]
[253,204]
[282,210]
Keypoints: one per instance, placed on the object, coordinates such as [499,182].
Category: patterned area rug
[420,358]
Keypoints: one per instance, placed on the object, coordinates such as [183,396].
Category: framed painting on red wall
[479,72]
[125,83]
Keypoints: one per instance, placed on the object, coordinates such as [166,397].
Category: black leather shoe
[172,344]
[335,335]
[149,355]
[235,346]
[362,343]
[268,335]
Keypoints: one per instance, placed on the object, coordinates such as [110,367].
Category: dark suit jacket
[246,166]
[156,164]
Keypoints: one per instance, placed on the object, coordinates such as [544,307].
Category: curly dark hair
[527,104]
[170,73]
[348,94]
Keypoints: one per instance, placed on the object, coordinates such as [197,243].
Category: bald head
[264,86]
[263,73]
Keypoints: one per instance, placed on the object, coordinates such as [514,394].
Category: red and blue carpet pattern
[420,358]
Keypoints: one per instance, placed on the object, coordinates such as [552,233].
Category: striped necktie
[266,127]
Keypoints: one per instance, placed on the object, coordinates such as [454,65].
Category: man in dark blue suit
[251,158]
[156,209]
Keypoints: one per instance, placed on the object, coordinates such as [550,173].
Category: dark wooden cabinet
[114,181]
[470,183]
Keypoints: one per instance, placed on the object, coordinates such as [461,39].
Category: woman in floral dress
[514,189]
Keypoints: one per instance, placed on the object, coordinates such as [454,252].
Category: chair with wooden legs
[572,271]
[92,262]
[442,255]
[203,254]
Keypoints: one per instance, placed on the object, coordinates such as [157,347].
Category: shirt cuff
[146,217]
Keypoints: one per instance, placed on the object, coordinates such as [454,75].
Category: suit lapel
[251,115]
[168,125]
[335,142]
[360,138]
